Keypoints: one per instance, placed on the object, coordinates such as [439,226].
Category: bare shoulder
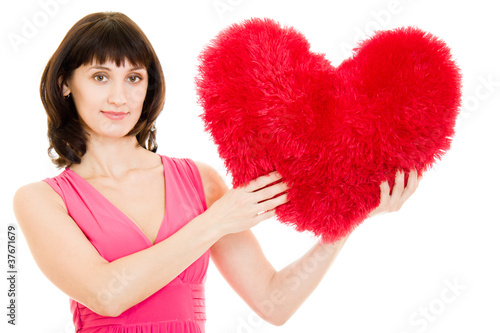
[35,195]
[213,184]
[33,201]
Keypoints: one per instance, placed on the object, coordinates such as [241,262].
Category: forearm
[131,279]
[291,286]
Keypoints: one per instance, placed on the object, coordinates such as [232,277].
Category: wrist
[206,227]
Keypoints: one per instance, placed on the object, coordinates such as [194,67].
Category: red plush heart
[334,134]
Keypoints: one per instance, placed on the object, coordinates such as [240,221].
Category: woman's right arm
[69,260]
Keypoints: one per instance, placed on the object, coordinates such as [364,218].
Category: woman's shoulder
[213,184]
[38,188]
[35,196]
[35,205]
[208,172]
[206,169]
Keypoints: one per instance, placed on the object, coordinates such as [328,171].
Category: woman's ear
[64,86]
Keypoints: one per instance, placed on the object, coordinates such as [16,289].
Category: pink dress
[177,307]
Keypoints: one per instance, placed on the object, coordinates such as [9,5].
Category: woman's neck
[113,157]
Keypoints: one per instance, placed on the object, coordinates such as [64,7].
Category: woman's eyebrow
[99,67]
[107,68]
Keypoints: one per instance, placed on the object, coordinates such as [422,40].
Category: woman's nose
[117,94]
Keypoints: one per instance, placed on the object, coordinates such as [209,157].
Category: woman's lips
[115,115]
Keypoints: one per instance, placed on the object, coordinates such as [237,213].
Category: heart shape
[333,133]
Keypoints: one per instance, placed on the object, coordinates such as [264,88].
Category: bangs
[110,40]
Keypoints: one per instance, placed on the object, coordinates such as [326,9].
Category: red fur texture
[333,133]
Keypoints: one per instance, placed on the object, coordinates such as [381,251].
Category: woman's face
[108,98]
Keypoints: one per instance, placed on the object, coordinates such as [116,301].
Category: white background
[394,267]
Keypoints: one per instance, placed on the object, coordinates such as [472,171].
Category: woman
[126,233]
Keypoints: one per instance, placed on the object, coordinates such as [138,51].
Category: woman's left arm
[276,295]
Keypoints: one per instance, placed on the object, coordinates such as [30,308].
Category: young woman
[125,232]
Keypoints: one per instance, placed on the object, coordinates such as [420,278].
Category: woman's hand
[394,201]
[243,207]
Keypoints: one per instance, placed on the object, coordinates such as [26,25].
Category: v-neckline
[127,218]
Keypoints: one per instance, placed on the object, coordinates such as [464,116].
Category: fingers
[261,189]
[265,215]
[391,201]
[272,203]
[265,197]
[270,192]
[269,198]
[397,191]
[243,207]
[410,188]
[401,193]
[262,181]
[384,200]
[385,191]
[267,208]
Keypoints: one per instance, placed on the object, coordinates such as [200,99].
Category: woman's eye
[135,78]
[99,78]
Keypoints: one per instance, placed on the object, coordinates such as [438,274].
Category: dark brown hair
[100,37]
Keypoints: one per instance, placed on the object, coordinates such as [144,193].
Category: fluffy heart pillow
[333,133]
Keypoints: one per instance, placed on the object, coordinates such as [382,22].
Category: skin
[131,178]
